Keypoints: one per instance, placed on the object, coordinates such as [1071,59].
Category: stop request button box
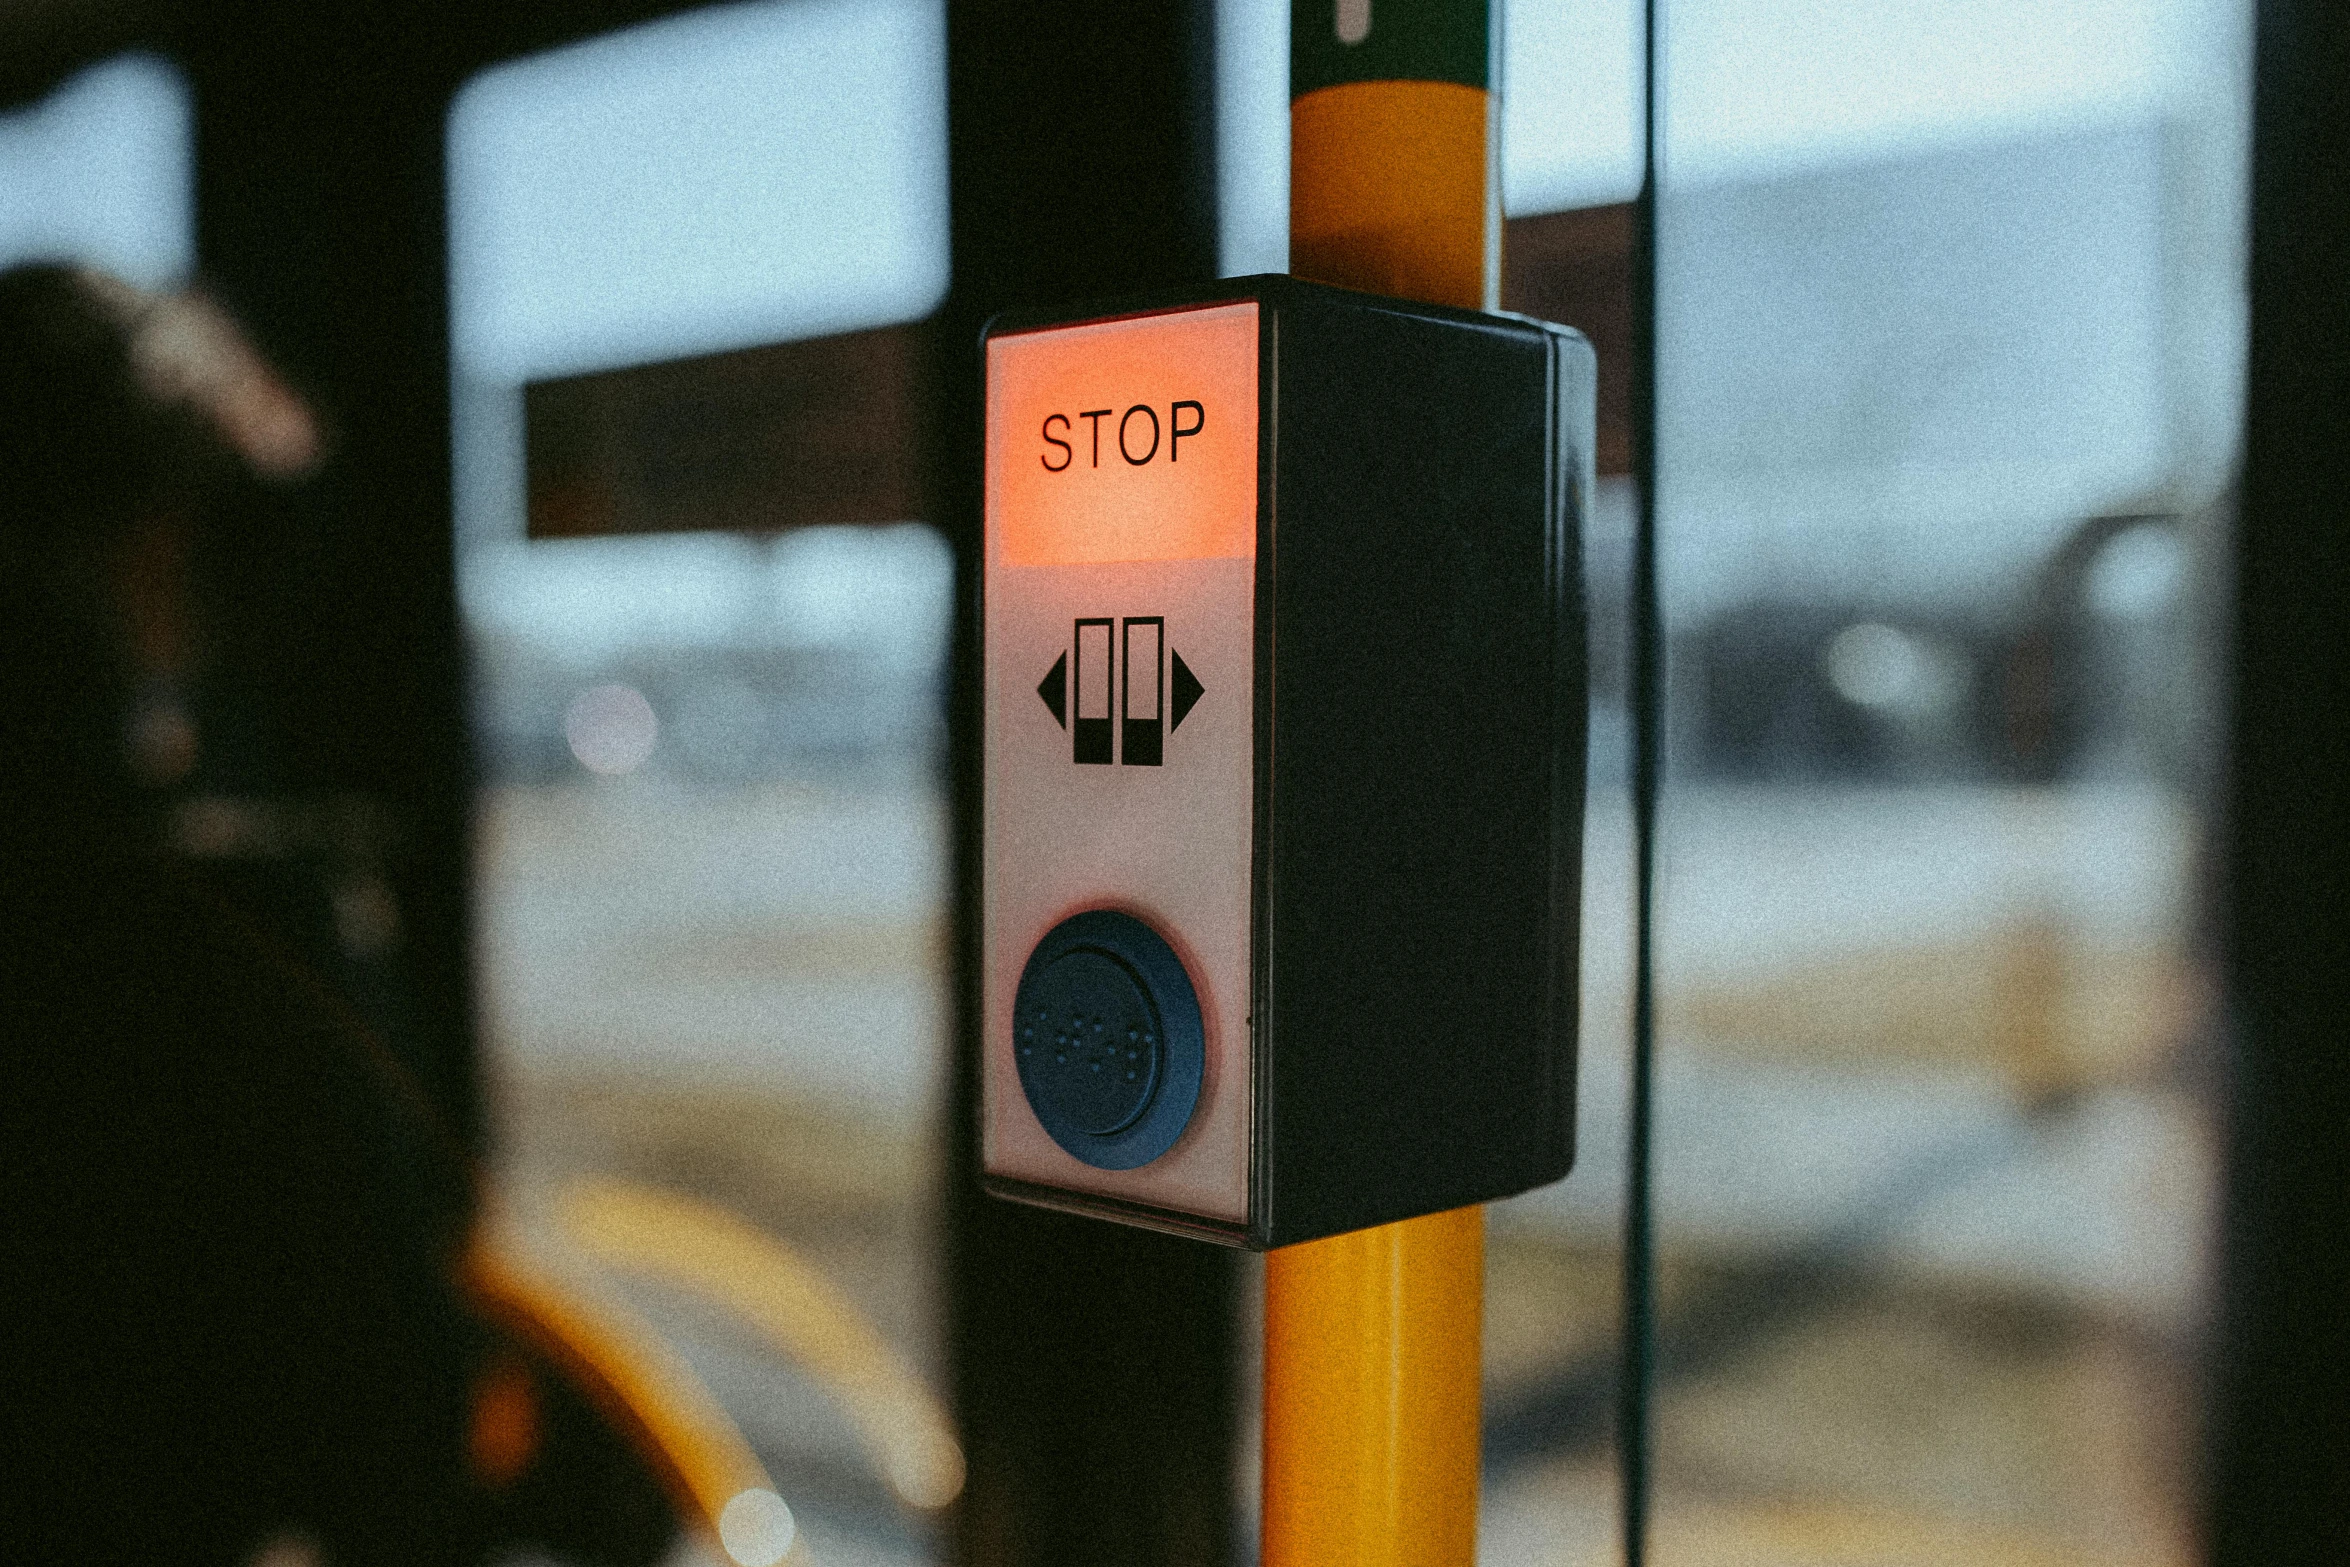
[1282,758]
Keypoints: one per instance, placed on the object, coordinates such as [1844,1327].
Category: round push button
[1106,1033]
[1088,1039]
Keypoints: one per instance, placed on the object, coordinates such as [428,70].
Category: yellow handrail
[695,1246]
[652,1396]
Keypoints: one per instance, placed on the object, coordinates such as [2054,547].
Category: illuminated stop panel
[1124,440]
[1281,756]
[1119,611]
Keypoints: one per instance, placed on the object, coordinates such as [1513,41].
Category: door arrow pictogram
[1054,688]
[1187,691]
[1094,668]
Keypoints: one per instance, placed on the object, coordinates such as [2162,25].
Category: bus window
[99,174]
[708,624]
[1950,315]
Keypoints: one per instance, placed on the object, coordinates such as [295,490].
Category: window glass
[99,173]
[1951,332]
[732,176]
[1950,323]
[708,628]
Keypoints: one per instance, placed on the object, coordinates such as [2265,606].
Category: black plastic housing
[1420,712]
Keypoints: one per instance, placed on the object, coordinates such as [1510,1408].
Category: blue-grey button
[1122,1078]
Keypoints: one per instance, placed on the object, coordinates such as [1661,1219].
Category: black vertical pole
[1094,1366]
[2280,1426]
[1647,701]
[321,220]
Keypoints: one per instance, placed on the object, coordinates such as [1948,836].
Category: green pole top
[1335,41]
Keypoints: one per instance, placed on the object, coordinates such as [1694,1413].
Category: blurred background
[1952,316]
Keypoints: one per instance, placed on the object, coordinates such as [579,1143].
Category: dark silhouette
[235,1314]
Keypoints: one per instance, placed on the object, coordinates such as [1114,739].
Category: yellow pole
[1391,189]
[1373,1340]
[1371,1410]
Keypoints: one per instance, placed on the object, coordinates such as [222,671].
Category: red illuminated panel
[1124,440]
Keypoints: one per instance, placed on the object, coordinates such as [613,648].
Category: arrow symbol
[1054,688]
[1187,690]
